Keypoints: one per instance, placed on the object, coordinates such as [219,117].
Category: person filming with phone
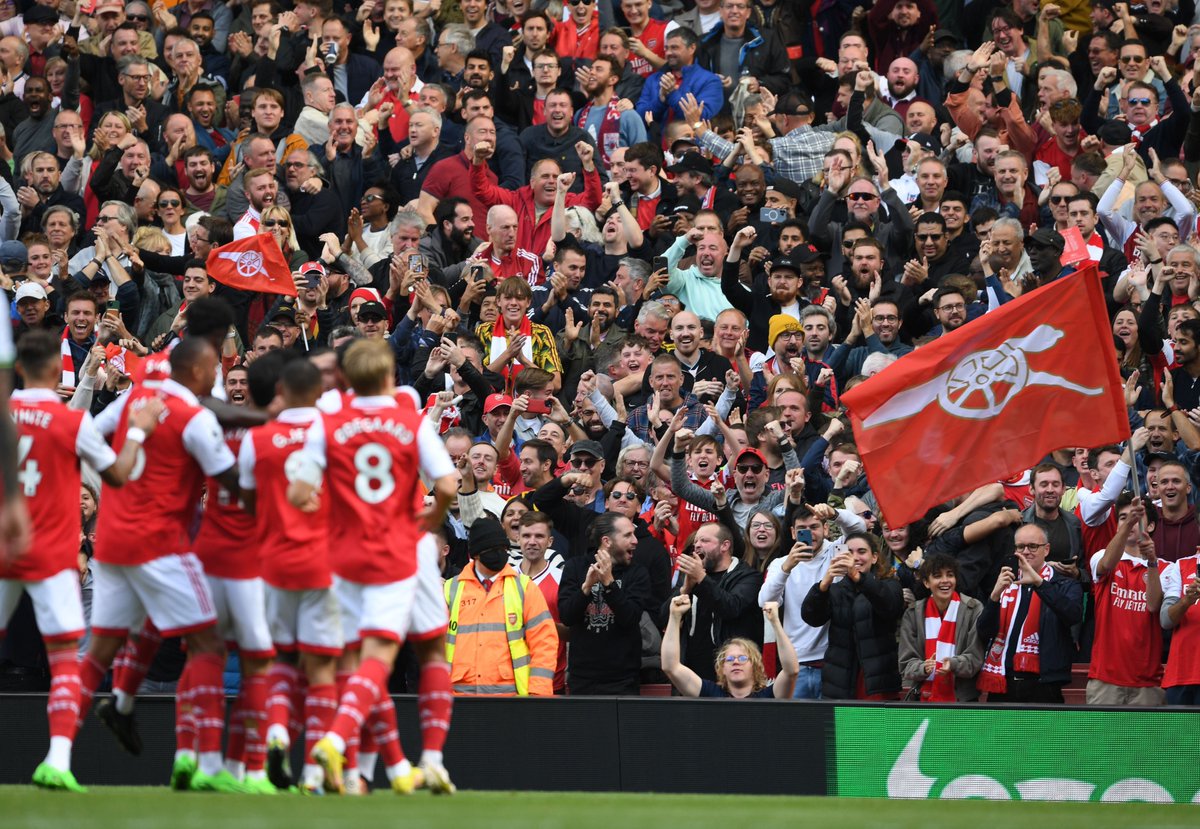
[790,577]
[1027,624]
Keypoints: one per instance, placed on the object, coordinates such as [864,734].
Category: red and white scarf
[610,129]
[1026,654]
[940,634]
[1139,132]
[500,336]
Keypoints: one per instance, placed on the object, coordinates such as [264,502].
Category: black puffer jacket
[862,620]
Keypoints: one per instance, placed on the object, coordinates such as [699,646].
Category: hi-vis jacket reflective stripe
[502,642]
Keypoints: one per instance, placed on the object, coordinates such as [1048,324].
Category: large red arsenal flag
[991,399]
[253,264]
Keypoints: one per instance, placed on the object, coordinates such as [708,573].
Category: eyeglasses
[107,218]
[791,335]
[1139,102]
[291,165]
[139,78]
[170,203]
[954,306]
[885,318]
[1133,59]
[583,463]
[749,468]
[929,237]
[1060,199]
[275,223]
[866,515]
[1020,548]
[638,464]
[862,196]
[628,496]
[545,66]
[739,659]
[761,525]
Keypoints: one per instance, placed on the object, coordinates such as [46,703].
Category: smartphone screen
[415,263]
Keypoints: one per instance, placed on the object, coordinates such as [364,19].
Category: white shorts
[380,610]
[242,616]
[56,605]
[429,615]
[171,590]
[305,620]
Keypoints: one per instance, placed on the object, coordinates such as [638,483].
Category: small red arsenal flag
[991,399]
[253,264]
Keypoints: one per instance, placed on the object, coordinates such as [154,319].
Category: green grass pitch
[148,808]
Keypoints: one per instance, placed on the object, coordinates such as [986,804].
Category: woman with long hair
[171,208]
[738,664]
[859,598]
[764,540]
[277,221]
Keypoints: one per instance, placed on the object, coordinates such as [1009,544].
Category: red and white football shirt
[149,516]
[51,438]
[223,543]
[1128,646]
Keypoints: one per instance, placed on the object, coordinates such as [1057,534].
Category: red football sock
[435,701]
[282,680]
[320,708]
[352,742]
[134,659]
[185,717]
[235,741]
[91,674]
[254,714]
[363,690]
[62,708]
[381,725]
[208,700]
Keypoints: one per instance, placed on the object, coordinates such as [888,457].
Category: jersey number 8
[374,482]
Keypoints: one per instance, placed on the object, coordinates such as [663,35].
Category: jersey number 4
[28,476]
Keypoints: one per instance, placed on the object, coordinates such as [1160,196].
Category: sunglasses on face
[928,237]
[861,196]
[749,468]
[1145,102]
[628,496]
[1132,59]
[137,18]
[581,2]
[275,223]
[170,203]
[370,197]
[583,463]
[1059,199]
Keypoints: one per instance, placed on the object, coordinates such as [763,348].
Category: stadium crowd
[627,257]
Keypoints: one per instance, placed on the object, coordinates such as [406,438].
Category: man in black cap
[372,320]
[778,293]
[1045,247]
[284,319]
[601,598]
[929,58]
[694,176]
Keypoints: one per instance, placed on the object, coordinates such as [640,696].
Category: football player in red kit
[51,441]
[369,456]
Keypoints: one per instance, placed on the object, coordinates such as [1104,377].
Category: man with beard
[863,204]
[260,189]
[312,213]
[949,309]
[534,201]
[667,88]
[601,118]
[785,338]
[202,192]
[724,594]
[36,132]
[258,153]
[935,259]
[615,43]
[699,286]
[202,107]
[578,342]
[516,63]
[878,323]
[666,382]
[562,293]
[43,189]
[899,88]
[453,237]
[777,293]
[558,140]
[1061,526]
[703,371]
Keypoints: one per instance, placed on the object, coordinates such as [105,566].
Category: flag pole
[1135,485]
[304,334]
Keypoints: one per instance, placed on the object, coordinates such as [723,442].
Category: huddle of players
[340,574]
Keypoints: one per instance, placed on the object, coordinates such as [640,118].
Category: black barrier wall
[562,744]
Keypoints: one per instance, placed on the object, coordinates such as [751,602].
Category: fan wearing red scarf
[514,342]
[1027,621]
[940,651]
